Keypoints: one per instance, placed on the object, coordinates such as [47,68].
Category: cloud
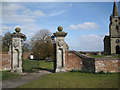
[57,13]
[86,26]
[4,27]
[70,5]
[19,14]
[88,43]
[38,13]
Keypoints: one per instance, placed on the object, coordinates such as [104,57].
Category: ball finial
[17,29]
[60,28]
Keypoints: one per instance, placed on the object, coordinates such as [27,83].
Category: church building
[112,42]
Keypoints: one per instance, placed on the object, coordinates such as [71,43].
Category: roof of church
[115,10]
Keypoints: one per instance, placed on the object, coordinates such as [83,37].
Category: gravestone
[16,50]
[60,50]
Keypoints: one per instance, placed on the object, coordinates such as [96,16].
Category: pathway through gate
[23,79]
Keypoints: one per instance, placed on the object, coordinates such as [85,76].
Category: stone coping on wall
[82,56]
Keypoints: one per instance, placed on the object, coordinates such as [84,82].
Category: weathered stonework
[60,50]
[16,50]
[112,42]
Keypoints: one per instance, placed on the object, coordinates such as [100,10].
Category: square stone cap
[62,34]
[18,35]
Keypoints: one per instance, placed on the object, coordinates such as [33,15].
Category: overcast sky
[85,22]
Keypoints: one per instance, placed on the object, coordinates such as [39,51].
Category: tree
[26,47]
[6,41]
[42,45]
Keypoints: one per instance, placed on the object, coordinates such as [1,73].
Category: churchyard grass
[102,56]
[46,65]
[8,75]
[98,56]
[30,65]
[75,80]
[34,65]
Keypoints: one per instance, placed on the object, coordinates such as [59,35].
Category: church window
[117,27]
[117,41]
[115,20]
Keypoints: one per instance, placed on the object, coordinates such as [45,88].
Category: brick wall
[6,61]
[26,55]
[74,60]
[107,64]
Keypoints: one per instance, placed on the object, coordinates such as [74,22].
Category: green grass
[98,56]
[46,65]
[34,65]
[30,65]
[75,80]
[102,56]
[8,75]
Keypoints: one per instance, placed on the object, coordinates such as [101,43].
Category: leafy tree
[42,45]
[6,41]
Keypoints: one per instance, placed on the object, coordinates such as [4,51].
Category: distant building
[112,42]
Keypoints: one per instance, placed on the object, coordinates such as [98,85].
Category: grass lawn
[8,75]
[33,65]
[102,56]
[98,56]
[75,80]
[46,65]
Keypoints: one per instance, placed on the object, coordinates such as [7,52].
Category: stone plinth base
[60,70]
[17,70]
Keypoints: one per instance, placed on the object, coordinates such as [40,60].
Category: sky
[85,22]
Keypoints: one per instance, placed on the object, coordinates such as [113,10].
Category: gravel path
[23,79]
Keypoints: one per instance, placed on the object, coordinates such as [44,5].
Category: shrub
[82,71]
[101,72]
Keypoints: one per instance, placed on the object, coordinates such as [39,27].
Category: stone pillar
[60,50]
[16,50]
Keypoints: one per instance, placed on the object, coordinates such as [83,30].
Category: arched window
[117,28]
[117,49]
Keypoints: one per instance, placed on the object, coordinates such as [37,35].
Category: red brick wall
[6,61]
[107,64]
[74,60]
[26,55]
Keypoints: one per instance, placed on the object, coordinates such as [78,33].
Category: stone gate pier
[60,50]
[16,50]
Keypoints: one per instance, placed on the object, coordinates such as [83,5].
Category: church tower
[112,42]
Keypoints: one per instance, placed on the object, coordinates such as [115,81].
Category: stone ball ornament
[17,29]
[60,28]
